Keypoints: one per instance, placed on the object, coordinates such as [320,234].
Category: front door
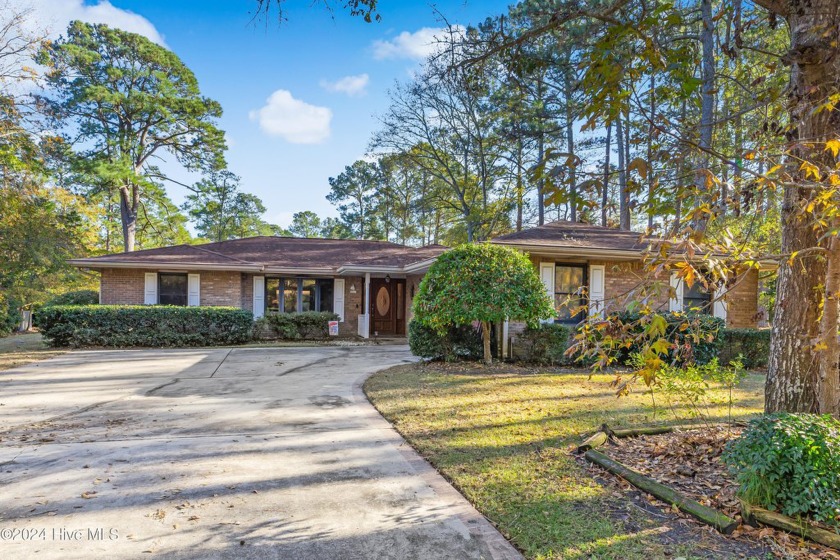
[387,307]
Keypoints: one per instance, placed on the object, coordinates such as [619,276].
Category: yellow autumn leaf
[810,170]
[833,146]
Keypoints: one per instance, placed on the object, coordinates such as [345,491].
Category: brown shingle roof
[575,235]
[274,253]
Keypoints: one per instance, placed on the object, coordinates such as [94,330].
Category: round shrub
[790,463]
[481,283]
[77,297]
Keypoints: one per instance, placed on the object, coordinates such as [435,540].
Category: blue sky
[327,77]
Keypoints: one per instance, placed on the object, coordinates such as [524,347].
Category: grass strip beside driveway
[502,437]
[21,349]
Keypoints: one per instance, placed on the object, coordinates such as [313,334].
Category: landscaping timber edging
[707,515]
[799,527]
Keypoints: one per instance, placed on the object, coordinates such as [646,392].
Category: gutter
[97,264]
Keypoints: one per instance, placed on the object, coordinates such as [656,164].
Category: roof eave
[364,269]
[96,264]
[584,252]
[299,271]
[420,266]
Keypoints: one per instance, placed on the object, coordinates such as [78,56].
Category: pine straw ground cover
[689,461]
[503,435]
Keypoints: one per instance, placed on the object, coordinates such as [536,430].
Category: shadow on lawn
[504,440]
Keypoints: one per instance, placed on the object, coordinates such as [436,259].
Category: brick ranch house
[371,284]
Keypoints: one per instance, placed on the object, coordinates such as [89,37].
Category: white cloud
[293,120]
[53,16]
[416,46]
[351,85]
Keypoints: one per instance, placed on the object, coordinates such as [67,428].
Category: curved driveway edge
[497,547]
[220,453]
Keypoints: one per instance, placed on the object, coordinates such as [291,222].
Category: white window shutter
[338,298]
[676,302]
[150,293]
[194,290]
[597,277]
[259,296]
[547,277]
[720,304]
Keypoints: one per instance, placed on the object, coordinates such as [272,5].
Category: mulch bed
[689,461]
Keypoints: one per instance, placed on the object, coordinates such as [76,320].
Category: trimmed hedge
[681,330]
[752,344]
[463,342]
[309,325]
[544,344]
[141,325]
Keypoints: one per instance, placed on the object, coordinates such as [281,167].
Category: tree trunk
[541,181]
[570,147]
[650,172]
[128,216]
[623,193]
[485,337]
[606,186]
[828,387]
[707,107]
[520,187]
[814,56]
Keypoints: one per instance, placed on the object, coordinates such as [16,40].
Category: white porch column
[367,306]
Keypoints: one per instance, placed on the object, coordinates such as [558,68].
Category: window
[294,295]
[325,292]
[697,298]
[570,292]
[172,289]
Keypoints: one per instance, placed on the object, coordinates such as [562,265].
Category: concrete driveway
[220,453]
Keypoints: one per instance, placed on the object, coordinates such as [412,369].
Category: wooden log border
[707,515]
[800,527]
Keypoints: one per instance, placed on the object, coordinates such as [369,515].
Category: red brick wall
[126,286]
[627,281]
[353,305]
[742,301]
[122,286]
[412,285]
[221,289]
[246,287]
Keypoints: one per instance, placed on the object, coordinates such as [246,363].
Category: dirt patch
[690,462]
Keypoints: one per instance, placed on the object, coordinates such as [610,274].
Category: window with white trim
[296,295]
[570,300]
[172,289]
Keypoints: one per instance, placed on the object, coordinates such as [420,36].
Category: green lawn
[21,349]
[502,437]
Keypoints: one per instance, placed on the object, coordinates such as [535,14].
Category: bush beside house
[309,325]
[480,283]
[144,325]
[753,345]
[543,344]
[76,297]
[456,343]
